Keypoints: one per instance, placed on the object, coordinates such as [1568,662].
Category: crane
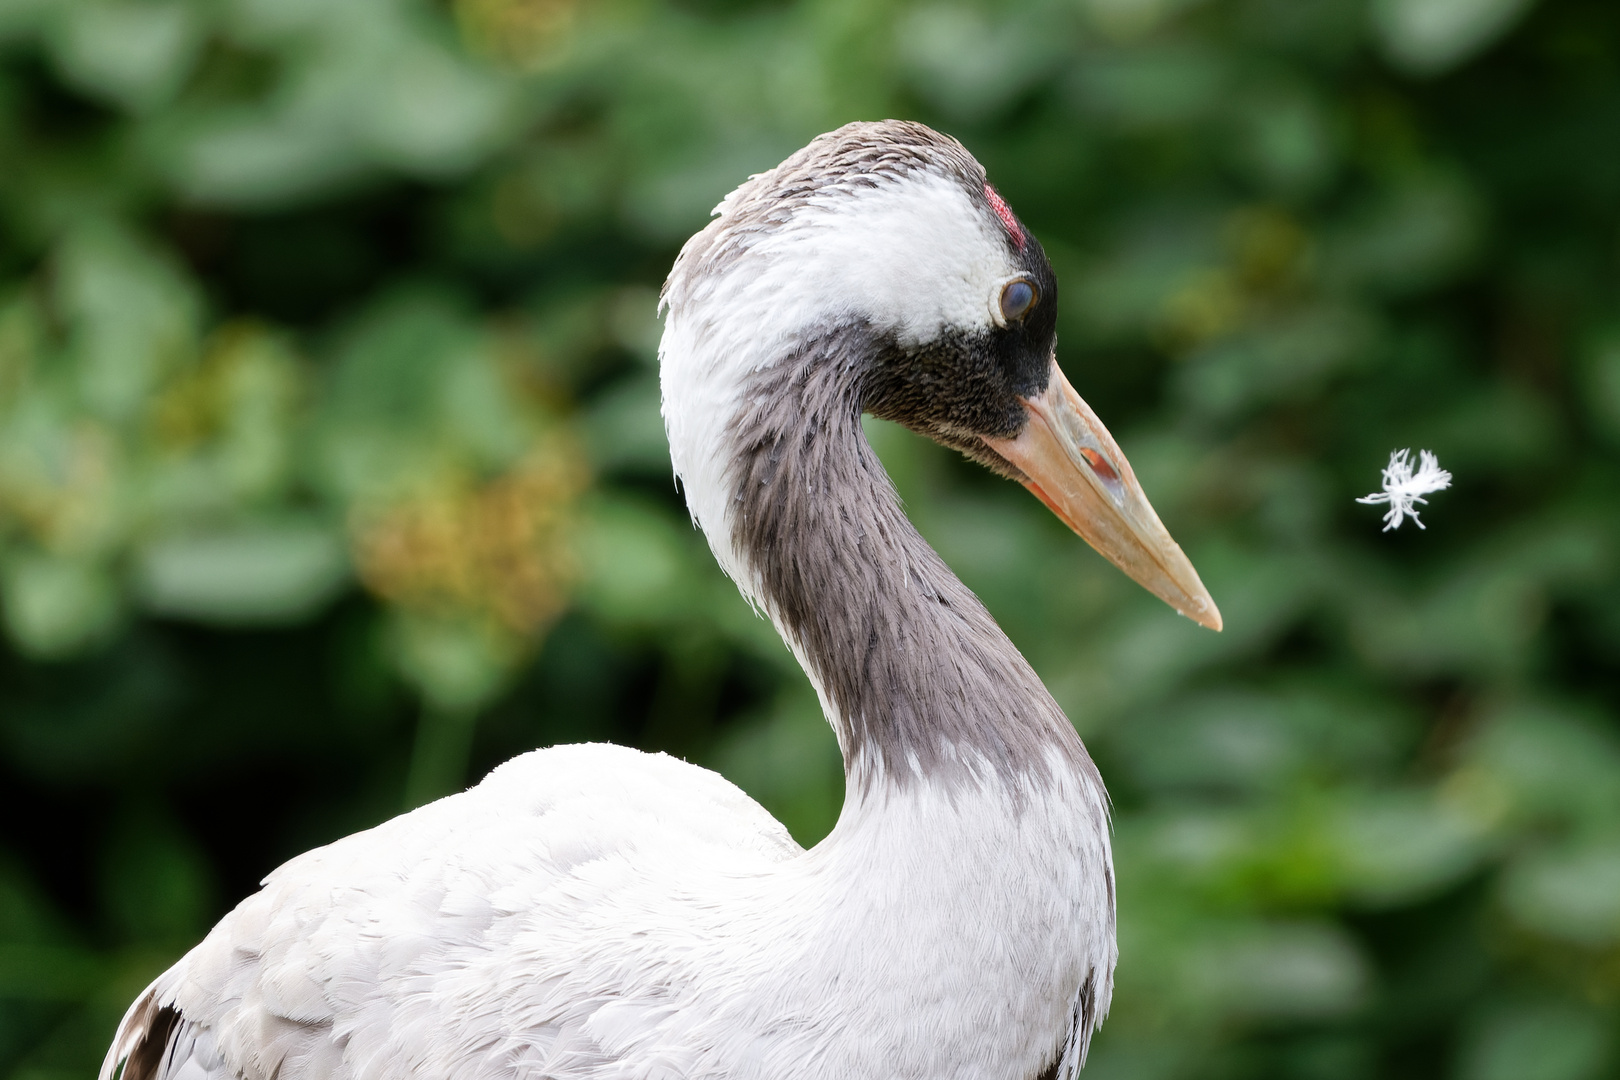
[591,911]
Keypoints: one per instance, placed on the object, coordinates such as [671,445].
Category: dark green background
[285,280]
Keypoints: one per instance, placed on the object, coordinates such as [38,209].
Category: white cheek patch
[914,257]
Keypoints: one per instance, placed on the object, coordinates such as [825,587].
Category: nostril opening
[1100,466]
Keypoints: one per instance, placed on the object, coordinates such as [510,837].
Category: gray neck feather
[922,682]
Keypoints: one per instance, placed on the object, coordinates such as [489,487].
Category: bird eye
[1016,300]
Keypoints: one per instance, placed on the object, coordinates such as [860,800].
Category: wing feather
[401,946]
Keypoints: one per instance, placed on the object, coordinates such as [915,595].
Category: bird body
[595,912]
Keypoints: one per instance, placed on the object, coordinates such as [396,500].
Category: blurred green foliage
[331,471]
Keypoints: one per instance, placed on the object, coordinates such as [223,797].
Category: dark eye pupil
[1016,299]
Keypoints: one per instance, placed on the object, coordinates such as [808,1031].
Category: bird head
[890,235]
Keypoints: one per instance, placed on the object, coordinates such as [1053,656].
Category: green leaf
[133,318]
[56,606]
[458,665]
[1394,847]
[135,54]
[1281,970]
[1430,36]
[250,573]
[1570,893]
[1544,1040]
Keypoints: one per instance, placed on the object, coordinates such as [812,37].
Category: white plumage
[596,911]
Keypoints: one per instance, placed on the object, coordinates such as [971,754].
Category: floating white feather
[1404,488]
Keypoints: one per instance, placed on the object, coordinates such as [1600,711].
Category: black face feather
[965,385]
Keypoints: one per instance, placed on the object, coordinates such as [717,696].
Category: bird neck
[916,678]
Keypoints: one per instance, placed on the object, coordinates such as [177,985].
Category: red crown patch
[1008,219]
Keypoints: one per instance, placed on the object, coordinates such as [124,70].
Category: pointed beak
[1074,466]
